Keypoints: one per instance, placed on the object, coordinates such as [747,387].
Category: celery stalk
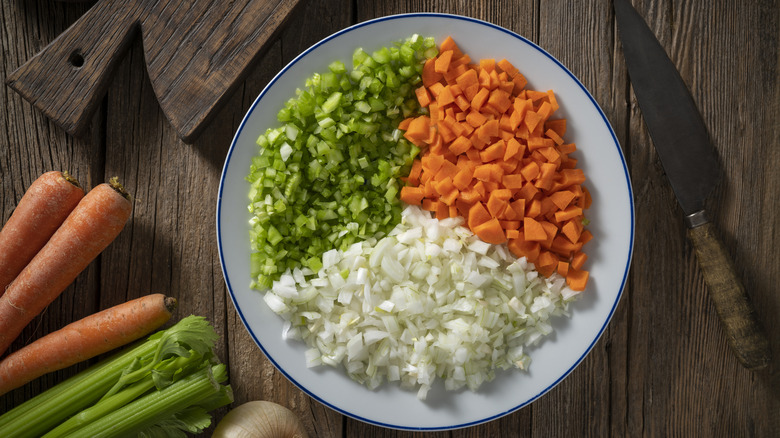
[148,410]
[119,399]
[164,357]
[39,414]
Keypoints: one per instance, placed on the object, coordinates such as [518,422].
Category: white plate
[611,216]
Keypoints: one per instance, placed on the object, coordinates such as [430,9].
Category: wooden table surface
[662,367]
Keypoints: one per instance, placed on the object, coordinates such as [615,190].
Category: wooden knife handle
[69,77]
[745,335]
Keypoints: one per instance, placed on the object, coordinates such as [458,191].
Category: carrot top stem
[67,176]
[116,185]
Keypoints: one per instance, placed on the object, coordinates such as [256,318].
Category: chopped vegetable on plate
[488,247]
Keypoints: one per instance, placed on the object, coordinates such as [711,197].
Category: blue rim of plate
[617,146]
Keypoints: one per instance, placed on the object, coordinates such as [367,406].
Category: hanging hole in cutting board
[76,59]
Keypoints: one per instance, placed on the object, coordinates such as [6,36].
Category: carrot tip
[70,179]
[170,303]
[116,185]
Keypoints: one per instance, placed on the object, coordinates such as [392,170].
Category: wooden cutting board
[196,53]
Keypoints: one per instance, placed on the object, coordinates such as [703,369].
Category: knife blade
[689,160]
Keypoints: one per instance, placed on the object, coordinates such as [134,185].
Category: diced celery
[330,174]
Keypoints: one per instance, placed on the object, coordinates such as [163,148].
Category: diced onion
[429,301]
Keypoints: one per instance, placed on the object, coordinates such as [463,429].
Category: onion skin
[260,419]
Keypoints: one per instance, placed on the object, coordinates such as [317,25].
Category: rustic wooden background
[662,368]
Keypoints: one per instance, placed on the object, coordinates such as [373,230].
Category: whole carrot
[84,339]
[45,204]
[87,231]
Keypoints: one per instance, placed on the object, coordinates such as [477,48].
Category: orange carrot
[45,204]
[87,231]
[84,339]
[496,155]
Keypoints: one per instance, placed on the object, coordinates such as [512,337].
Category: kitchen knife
[689,161]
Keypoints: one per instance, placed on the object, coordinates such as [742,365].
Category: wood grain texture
[196,54]
[662,368]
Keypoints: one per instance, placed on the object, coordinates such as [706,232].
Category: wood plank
[31,145]
[680,367]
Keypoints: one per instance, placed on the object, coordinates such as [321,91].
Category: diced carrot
[518,205]
[480,98]
[496,206]
[576,279]
[533,230]
[563,268]
[553,100]
[442,211]
[442,63]
[490,231]
[528,192]
[586,236]
[477,215]
[571,231]
[564,247]
[463,178]
[534,208]
[429,74]
[467,79]
[530,171]
[554,136]
[536,95]
[562,198]
[412,195]
[419,129]
[445,96]
[493,152]
[495,156]
[513,181]
[404,125]
[545,110]
[531,119]
[488,64]
[460,145]
[547,259]
[551,230]
[464,104]
[578,260]
[491,128]
[557,125]
[569,213]
[520,82]
[546,175]
[450,197]
[475,118]
[449,44]
[499,100]
[414,173]
[521,247]
[423,97]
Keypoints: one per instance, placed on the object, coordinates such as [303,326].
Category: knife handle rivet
[694,220]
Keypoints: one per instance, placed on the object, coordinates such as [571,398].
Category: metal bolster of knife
[697,219]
